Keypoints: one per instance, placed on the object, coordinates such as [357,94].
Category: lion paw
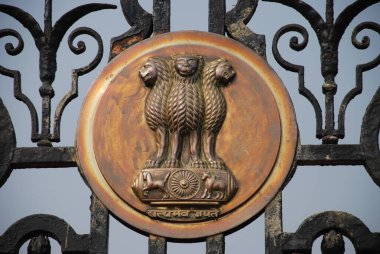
[172,164]
[198,164]
[152,164]
[217,164]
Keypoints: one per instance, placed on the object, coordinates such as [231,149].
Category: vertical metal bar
[161,24]
[329,138]
[273,224]
[161,16]
[99,227]
[47,73]
[329,71]
[48,18]
[216,16]
[157,245]
[215,244]
[330,13]
[216,24]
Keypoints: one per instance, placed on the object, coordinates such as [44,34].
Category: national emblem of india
[186,134]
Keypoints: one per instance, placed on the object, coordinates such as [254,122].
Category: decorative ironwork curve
[73,93]
[329,35]
[364,44]
[16,75]
[348,225]
[9,48]
[295,45]
[47,42]
[43,225]
[50,225]
[236,24]
[141,27]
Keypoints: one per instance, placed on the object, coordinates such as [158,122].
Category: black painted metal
[143,25]
[329,35]
[7,144]
[370,138]
[348,225]
[73,93]
[330,155]
[215,244]
[236,24]
[161,16]
[48,225]
[39,245]
[157,245]
[273,224]
[47,43]
[216,16]
[99,227]
[44,157]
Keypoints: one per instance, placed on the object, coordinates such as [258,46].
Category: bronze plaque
[186,135]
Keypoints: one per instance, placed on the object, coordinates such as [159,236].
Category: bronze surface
[257,141]
[185,105]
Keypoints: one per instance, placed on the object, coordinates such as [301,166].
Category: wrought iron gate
[46,131]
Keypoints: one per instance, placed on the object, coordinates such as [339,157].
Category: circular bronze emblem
[186,135]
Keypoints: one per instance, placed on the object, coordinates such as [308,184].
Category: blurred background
[63,193]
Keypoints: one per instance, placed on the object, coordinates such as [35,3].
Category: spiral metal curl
[9,47]
[363,44]
[298,46]
[13,50]
[73,93]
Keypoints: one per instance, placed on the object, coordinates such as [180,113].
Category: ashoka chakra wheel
[184,184]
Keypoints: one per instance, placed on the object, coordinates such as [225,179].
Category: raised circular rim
[288,144]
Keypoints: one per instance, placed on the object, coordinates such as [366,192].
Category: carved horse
[151,184]
[213,184]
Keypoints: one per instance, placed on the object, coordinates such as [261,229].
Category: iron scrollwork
[47,42]
[73,93]
[236,25]
[39,228]
[298,46]
[16,75]
[141,27]
[360,69]
[342,224]
[329,34]
[32,226]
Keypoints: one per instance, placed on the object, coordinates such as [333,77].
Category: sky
[313,189]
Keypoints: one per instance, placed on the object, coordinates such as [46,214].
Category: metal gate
[329,127]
